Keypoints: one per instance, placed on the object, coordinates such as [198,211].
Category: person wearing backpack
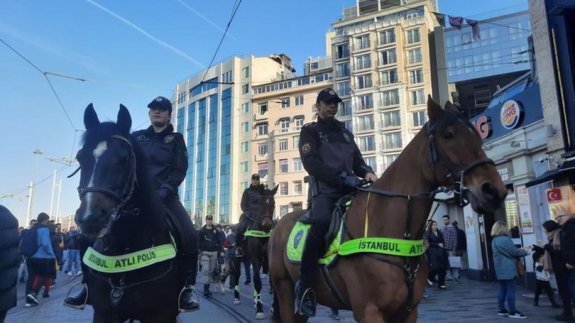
[43,261]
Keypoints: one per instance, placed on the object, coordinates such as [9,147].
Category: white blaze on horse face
[98,152]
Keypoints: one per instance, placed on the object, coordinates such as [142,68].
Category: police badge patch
[305,148]
[168,139]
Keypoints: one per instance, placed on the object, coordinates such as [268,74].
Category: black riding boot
[189,300]
[305,296]
[78,300]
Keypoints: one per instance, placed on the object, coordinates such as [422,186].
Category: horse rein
[126,193]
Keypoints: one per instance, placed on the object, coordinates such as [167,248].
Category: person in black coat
[9,258]
[436,255]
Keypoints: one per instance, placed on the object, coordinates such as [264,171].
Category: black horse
[257,237]
[133,271]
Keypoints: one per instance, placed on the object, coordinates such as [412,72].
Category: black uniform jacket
[9,258]
[252,200]
[167,158]
[328,154]
[567,239]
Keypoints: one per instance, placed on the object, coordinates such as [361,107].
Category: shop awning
[566,170]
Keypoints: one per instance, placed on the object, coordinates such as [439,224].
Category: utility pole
[58,205]
[52,195]
[31,187]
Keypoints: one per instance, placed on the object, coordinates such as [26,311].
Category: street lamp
[31,187]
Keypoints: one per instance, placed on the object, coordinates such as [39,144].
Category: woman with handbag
[505,258]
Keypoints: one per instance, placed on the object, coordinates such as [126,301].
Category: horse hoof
[260,316]
[236,301]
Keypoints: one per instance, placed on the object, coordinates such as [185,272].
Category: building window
[344,108]
[245,126]
[283,165]
[298,123]
[388,77]
[297,165]
[390,97]
[419,118]
[342,69]
[295,142]
[263,129]
[246,88]
[392,140]
[284,209]
[227,77]
[364,123]
[284,188]
[363,62]
[391,119]
[262,149]
[245,146]
[389,159]
[361,42]
[284,125]
[263,107]
[299,100]
[297,188]
[414,56]
[387,57]
[387,37]
[417,97]
[246,107]
[285,102]
[413,36]
[366,143]
[246,72]
[282,144]
[363,81]
[245,167]
[341,51]
[365,102]
[416,76]
[371,162]
[343,88]
[263,169]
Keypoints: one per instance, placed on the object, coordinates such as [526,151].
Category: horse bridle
[126,193]
[455,175]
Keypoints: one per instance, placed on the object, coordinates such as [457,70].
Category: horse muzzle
[487,199]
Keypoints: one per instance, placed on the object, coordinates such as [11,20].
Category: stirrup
[195,295]
[306,304]
[84,302]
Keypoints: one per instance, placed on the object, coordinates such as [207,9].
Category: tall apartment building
[478,68]
[280,110]
[215,118]
[382,70]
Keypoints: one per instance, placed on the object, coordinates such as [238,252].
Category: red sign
[554,195]
[483,126]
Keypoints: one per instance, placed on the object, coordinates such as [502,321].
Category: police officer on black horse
[333,160]
[167,158]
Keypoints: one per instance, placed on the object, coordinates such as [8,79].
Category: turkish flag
[554,195]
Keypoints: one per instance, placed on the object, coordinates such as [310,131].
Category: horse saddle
[333,237]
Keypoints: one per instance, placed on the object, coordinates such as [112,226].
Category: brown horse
[387,288]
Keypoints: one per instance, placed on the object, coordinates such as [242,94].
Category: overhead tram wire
[45,74]
[234,10]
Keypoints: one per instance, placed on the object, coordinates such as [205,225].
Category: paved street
[467,301]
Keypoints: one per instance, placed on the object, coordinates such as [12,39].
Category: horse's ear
[433,109]
[124,120]
[275,190]
[451,107]
[90,117]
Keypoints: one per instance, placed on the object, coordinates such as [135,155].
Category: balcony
[260,117]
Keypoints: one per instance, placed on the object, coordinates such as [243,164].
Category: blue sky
[130,52]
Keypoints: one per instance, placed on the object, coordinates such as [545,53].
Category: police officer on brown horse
[333,160]
[251,205]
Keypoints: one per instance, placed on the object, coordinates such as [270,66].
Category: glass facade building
[501,49]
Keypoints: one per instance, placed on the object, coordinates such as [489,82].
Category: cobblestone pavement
[466,301]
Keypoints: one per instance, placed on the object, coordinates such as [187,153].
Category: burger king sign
[511,114]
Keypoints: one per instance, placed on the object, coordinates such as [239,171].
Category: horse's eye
[448,134]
